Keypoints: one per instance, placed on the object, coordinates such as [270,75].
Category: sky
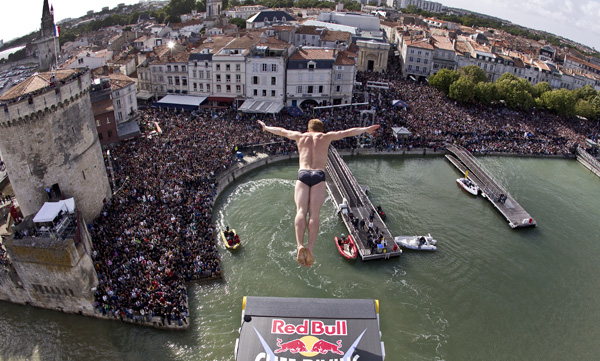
[578,20]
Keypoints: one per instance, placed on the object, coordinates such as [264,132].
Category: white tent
[50,210]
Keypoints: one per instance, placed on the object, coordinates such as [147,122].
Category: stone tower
[213,8]
[47,45]
[48,138]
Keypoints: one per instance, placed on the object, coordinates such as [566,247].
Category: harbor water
[488,293]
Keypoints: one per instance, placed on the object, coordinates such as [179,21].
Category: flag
[56,31]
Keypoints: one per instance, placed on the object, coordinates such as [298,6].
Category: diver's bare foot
[302,256]
[309,258]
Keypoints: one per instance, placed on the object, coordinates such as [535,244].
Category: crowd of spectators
[155,234]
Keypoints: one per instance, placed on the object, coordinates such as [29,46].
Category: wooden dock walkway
[588,161]
[342,185]
[491,189]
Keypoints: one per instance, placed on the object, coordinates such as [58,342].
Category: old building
[47,45]
[49,139]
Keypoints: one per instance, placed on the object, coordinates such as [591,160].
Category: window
[255,80]
[183,81]
[424,69]
[418,67]
[176,67]
[228,88]
[120,116]
[272,93]
[412,51]
[419,52]
[227,67]
[228,78]
[238,78]
[310,89]
[218,67]
[409,67]
[338,88]
[410,59]
[418,60]
[193,74]
[207,87]
[264,92]
[97,122]
[218,77]
[425,61]
[200,74]
[320,88]
[237,67]
[273,80]
[208,74]
[195,86]
[200,87]
[339,76]
[183,68]
[264,67]
[170,80]
[118,103]
[255,92]
[176,80]
[168,68]
[238,88]
[218,88]
[274,68]
[311,66]
[299,89]
[80,60]
[110,133]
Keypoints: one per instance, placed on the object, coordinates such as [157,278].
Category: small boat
[419,243]
[348,249]
[230,239]
[468,185]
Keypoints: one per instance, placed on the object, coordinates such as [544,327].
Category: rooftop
[37,82]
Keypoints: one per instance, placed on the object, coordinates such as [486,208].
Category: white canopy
[401,131]
[261,106]
[50,210]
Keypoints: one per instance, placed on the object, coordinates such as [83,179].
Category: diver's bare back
[313,150]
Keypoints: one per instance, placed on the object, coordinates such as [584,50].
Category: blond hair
[315,125]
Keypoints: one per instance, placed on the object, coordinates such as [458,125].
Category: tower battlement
[42,93]
[49,139]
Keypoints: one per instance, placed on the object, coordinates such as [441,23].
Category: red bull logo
[309,346]
[340,328]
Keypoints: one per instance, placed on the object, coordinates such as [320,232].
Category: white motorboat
[418,243]
[468,185]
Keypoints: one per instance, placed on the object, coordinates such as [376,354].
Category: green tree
[474,73]
[463,89]
[241,23]
[586,92]
[562,101]
[443,79]
[486,93]
[542,87]
[586,109]
[516,92]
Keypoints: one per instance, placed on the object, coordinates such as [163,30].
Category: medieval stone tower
[47,45]
[213,8]
[48,139]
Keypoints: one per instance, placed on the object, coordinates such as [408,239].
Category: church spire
[47,28]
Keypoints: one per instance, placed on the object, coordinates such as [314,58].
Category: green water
[488,293]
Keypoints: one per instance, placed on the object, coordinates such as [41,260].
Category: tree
[486,93]
[516,92]
[586,109]
[463,89]
[542,87]
[239,22]
[586,92]
[562,101]
[474,73]
[443,79]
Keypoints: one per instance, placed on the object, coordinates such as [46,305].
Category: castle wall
[50,138]
[50,273]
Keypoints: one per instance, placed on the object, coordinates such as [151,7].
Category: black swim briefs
[310,177]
